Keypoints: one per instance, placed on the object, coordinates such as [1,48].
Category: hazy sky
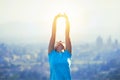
[31,20]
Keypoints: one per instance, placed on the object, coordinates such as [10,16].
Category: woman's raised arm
[67,35]
[53,36]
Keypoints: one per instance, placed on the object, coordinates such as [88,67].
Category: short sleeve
[51,52]
[68,53]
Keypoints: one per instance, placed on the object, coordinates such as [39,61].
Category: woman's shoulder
[51,52]
[67,52]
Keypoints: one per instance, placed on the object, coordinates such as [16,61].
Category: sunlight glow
[61,28]
[33,20]
[70,10]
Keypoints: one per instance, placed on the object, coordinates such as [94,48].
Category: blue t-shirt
[60,65]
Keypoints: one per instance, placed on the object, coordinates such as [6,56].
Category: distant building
[99,41]
[116,44]
[109,41]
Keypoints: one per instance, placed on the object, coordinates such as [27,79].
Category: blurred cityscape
[99,60]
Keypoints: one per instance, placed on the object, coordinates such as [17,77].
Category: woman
[59,55]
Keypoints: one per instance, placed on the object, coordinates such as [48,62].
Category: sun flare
[61,28]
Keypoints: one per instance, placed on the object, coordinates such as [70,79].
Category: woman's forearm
[53,36]
[67,36]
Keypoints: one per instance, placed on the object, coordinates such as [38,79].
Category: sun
[61,25]
[69,10]
[62,7]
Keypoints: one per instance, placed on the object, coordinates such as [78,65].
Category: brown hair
[62,43]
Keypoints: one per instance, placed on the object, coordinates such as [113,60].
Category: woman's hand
[57,16]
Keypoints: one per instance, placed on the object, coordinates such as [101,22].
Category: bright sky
[31,20]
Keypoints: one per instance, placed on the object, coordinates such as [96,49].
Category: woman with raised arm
[60,55]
